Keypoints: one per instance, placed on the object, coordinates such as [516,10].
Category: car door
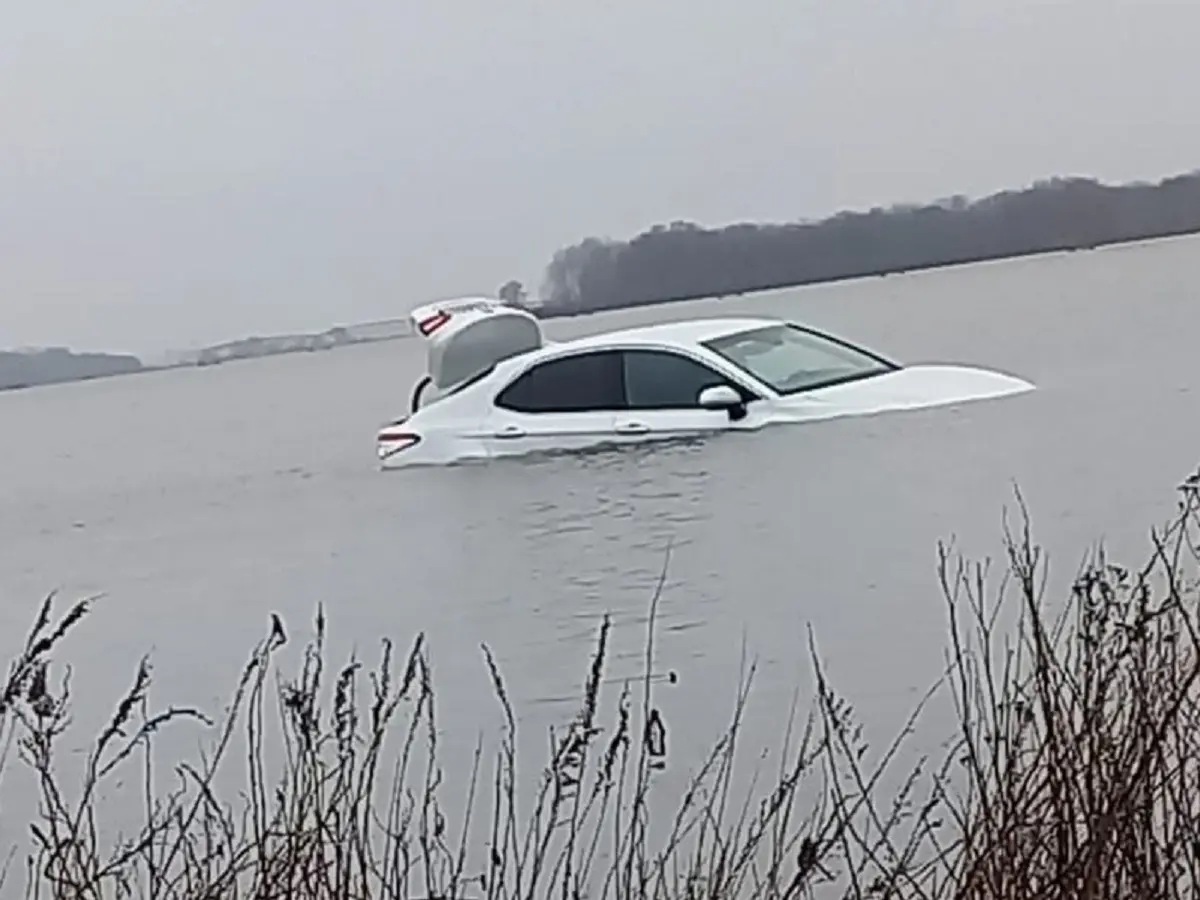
[662,391]
[563,403]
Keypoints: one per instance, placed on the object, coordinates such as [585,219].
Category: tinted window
[580,383]
[657,379]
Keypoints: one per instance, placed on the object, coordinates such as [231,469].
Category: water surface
[199,501]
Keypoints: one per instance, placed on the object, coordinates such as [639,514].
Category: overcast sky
[176,172]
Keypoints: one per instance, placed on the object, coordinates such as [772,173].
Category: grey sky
[178,172]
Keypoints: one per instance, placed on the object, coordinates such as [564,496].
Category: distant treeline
[684,261]
[56,364]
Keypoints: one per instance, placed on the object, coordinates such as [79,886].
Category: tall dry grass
[1072,775]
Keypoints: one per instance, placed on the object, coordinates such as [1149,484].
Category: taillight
[430,324]
[389,443]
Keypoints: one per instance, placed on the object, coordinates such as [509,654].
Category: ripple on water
[211,498]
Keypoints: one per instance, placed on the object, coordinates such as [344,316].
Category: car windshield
[790,359]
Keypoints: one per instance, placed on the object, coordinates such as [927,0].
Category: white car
[495,387]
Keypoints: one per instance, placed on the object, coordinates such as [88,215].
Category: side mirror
[722,396]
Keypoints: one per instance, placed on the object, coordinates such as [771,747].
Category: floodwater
[200,501]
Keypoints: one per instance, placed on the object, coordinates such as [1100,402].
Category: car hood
[912,387]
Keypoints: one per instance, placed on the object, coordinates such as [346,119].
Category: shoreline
[545,314]
[916,269]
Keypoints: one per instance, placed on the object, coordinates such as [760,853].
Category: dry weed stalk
[1073,773]
[1080,739]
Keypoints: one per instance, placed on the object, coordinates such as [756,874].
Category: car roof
[690,331]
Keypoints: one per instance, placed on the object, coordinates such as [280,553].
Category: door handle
[633,428]
[510,431]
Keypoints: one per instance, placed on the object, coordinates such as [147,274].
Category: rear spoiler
[430,317]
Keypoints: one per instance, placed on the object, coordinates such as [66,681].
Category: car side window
[660,379]
[582,382]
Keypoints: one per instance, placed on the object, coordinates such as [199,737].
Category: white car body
[643,384]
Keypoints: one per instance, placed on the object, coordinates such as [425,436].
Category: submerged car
[495,387]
